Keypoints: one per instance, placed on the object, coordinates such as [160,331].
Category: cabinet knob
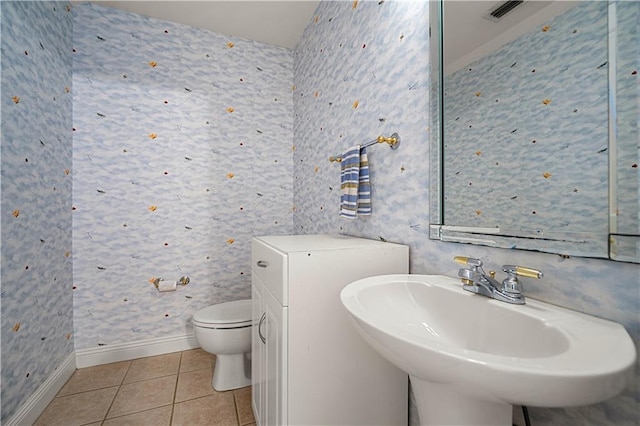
[262,263]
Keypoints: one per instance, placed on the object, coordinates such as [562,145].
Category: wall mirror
[534,126]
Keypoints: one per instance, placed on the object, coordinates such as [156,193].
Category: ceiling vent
[501,9]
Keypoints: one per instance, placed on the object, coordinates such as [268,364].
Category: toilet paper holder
[162,286]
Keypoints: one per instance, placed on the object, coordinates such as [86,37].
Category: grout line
[83,391]
[131,414]
[117,392]
[175,390]
[77,392]
[134,383]
[164,374]
[253,421]
[180,362]
[126,372]
[235,402]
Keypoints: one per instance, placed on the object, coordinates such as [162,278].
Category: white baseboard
[29,412]
[132,350]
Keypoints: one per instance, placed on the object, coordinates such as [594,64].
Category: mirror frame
[614,246]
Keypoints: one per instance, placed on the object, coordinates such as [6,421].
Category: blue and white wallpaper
[376,53]
[187,143]
[182,143]
[36,296]
[356,78]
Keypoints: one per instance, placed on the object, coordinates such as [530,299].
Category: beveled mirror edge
[436,159]
[613,159]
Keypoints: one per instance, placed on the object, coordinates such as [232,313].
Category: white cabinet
[309,365]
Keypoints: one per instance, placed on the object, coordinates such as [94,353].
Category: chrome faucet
[477,281]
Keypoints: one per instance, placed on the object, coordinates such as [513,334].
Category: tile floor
[172,389]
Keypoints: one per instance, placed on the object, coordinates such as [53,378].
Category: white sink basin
[470,357]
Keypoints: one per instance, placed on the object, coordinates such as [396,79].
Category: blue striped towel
[354,183]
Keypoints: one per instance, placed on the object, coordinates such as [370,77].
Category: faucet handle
[514,270]
[511,285]
[468,275]
[463,260]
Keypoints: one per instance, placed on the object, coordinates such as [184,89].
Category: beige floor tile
[144,395]
[152,367]
[212,410]
[98,377]
[156,417]
[196,359]
[194,384]
[243,405]
[77,409]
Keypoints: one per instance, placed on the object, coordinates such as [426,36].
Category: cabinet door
[269,357]
[258,354]
[276,361]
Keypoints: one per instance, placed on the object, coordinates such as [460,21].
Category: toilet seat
[227,315]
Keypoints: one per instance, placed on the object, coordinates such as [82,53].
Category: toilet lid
[236,312]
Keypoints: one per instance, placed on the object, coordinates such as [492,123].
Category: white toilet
[225,330]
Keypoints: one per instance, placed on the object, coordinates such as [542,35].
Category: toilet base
[232,372]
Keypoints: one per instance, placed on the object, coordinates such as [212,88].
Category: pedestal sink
[470,358]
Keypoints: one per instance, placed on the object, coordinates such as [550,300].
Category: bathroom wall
[362,70]
[36,297]
[182,152]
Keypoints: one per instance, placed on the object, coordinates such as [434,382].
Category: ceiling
[469,35]
[280,23]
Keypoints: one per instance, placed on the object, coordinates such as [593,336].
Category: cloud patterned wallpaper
[182,152]
[187,143]
[36,297]
[556,74]
[355,79]
[362,70]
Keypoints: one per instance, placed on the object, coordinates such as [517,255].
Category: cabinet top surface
[293,243]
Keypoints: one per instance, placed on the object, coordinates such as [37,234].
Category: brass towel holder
[393,141]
